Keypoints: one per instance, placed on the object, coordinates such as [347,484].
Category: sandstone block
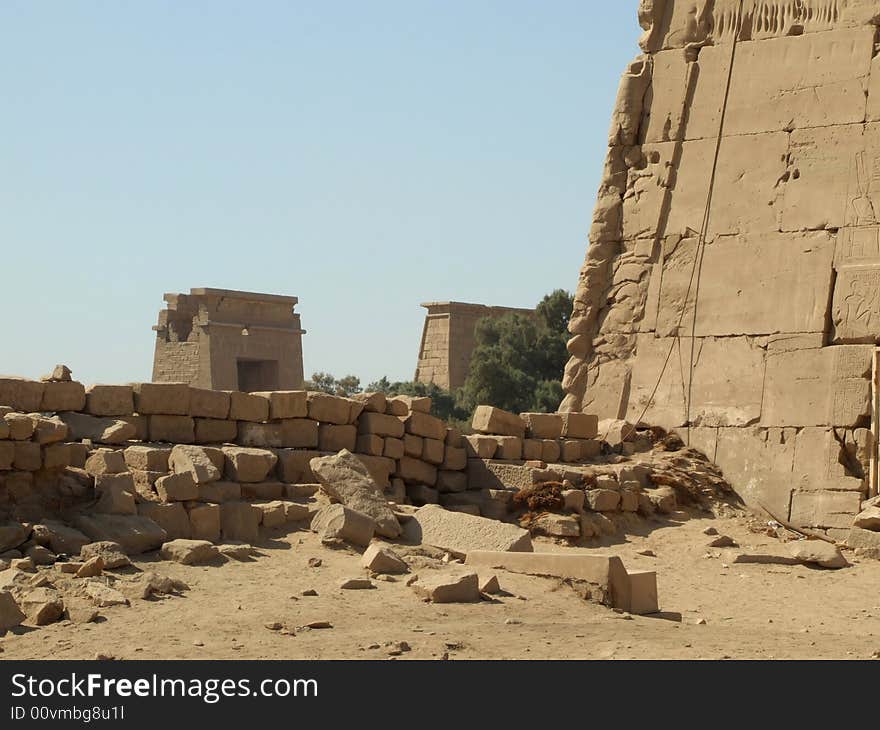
[10,613]
[451,481]
[579,425]
[134,533]
[338,522]
[335,437]
[195,461]
[370,443]
[380,469]
[557,525]
[824,509]
[170,399]
[248,465]
[483,447]
[543,425]
[379,558]
[274,514]
[49,430]
[262,490]
[423,424]
[248,407]
[433,451]
[420,494]
[63,396]
[413,446]
[454,458]
[509,448]
[328,408]
[204,521]
[20,425]
[147,458]
[219,492]
[380,424]
[345,479]
[550,451]
[180,487]
[396,406]
[214,431]
[109,400]
[393,448]
[7,455]
[116,492]
[603,500]
[239,521]
[450,585]
[105,461]
[293,466]
[20,394]
[533,449]
[56,456]
[204,403]
[415,471]
[28,456]
[491,420]
[461,533]
[141,425]
[111,553]
[60,538]
[172,429]
[170,516]
[189,552]
[373,402]
[98,430]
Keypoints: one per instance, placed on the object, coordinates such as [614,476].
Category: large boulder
[346,479]
[461,533]
[134,533]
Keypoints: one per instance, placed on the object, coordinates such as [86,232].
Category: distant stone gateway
[448,340]
[229,340]
[783,281]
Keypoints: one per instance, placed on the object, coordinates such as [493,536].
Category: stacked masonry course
[143,463]
[788,313]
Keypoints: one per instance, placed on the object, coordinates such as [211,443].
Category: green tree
[518,360]
[327,383]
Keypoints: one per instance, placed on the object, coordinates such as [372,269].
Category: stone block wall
[788,316]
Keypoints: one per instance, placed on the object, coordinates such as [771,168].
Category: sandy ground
[750,611]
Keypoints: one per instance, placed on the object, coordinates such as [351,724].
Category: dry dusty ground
[750,611]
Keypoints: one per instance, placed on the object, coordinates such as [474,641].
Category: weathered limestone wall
[788,313]
[448,340]
[229,340]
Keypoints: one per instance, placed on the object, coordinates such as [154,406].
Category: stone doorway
[257,375]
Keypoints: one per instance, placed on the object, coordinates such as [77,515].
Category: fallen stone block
[491,420]
[189,552]
[345,479]
[59,538]
[134,533]
[111,553]
[462,533]
[104,596]
[818,552]
[382,559]
[555,525]
[12,534]
[91,568]
[42,606]
[605,573]
[868,519]
[338,522]
[448,585]
[10,613]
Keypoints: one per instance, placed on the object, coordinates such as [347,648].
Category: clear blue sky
[363,156]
